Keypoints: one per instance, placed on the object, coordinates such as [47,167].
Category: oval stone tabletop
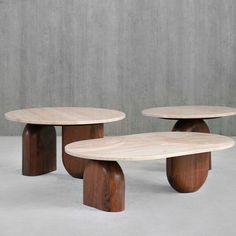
[64,115]
[189,112]
[148,146]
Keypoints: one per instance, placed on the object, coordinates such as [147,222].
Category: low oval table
[104,185]
[190,118]
[39,135]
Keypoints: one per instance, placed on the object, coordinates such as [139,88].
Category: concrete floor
[52,204]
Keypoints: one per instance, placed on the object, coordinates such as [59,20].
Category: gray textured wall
[121,54]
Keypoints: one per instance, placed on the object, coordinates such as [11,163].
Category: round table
[190,118]
[39,135]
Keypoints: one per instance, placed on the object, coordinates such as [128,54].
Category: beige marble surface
[64,115]
[189,112]
[148,146]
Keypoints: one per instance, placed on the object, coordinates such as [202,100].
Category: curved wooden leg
[187,173]
[104,186]
[75,166]
[39,150]
[193,125]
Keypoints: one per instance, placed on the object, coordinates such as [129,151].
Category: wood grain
[39,150]
[75,166]
[194,125]
[104,186]
[187,173]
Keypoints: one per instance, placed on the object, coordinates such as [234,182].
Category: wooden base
[188,173]
[39,150]
[104,186]
[75,166]
[193,125]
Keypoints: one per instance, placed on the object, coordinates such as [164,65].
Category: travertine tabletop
[64,115]
[189,112]
[148,146]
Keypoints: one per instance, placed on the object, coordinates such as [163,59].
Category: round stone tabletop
[148,146]
[64,116]
[189,112]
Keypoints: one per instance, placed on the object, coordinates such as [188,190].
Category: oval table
[39,135]
[190,118]
[104,185]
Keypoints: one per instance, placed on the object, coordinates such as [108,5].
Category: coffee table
[190,118]
[104,184]
[39,135]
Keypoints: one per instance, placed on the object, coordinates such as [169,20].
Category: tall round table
[191,119]
[39,135]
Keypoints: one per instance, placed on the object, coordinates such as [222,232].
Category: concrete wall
[121,54]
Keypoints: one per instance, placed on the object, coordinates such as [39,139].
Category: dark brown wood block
[187,173]
[75,166]
[193,125]
[39,150]
[104,186]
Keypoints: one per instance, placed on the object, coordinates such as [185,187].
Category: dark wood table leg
[104,186]
[75,166]
[39,150]
[188,173]
[193,125]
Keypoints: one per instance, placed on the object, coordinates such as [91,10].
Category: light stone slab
[189,112]
[148,146]
[65,115]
